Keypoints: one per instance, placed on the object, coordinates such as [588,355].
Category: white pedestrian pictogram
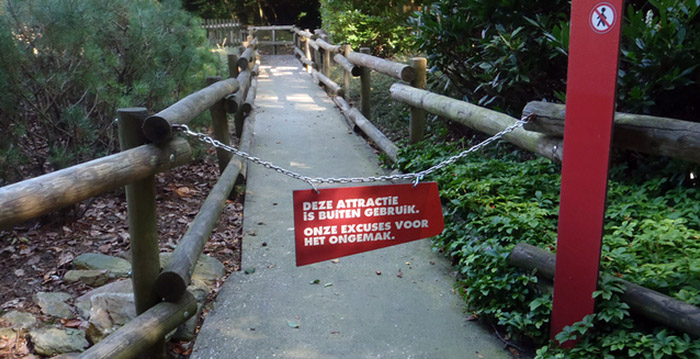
[602,18]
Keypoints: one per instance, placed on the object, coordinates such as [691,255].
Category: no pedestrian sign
[603,17]
[338,222]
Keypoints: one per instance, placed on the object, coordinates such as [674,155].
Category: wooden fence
[135,168]
[543,135]
[225,32]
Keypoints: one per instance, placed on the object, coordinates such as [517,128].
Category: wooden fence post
[232,65]
[326,60]
[346,74]
[143,231]
[307,51]
[220,126]
[365,89]
[417,127]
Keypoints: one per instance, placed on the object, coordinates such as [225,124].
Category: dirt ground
[35,255]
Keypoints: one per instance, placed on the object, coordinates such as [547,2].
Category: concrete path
[353,312]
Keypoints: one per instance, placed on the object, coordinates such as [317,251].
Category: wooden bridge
[397,302]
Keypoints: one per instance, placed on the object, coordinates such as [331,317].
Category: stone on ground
[52,341]
[54,303]
[108,312]
[18,320]
[117,267]
[91,277]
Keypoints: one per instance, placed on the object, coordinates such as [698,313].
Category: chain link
[417,176]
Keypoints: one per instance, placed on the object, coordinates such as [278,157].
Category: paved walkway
[361,314]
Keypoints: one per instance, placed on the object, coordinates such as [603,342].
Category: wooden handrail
[39,195]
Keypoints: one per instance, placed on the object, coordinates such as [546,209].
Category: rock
[91,277]
[19,320]
[53,341]
[118,286]
[53,303]
[82,303]
[108,312]
[117,267]
[207,268]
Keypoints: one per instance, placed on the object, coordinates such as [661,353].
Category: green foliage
[380,25]
[495,200]
[505,53]
[67,66]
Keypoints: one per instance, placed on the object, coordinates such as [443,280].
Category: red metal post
[593,59]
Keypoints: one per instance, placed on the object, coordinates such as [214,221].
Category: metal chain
[417,176]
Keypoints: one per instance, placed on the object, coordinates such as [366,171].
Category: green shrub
[380,25]
[505,53]
[494,201]
[66,66]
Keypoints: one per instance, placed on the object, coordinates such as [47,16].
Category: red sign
[337,222]
[590,105]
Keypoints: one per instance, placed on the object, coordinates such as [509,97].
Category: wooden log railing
[648,134]
[224,32]
[274,42]
[315,52]
[135,168]
[651,304]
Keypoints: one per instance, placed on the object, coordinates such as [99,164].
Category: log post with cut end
[394,69]
[232,65]
[246,58]
[143,230]
[365,86]
[219,121]
[417,125]
[239,98]
[670,312]
[158,127]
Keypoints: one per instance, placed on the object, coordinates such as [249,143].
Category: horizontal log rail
[478,118]
[158,127]
[394,69]
[40,195]
[250,98]
[331,86]
[384,143]
[302,57]
[275,43]
[143,331]
[314,45]
[326,46]
[651,304]
[648,134]
[347,65]
[302,33]
[272,27]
